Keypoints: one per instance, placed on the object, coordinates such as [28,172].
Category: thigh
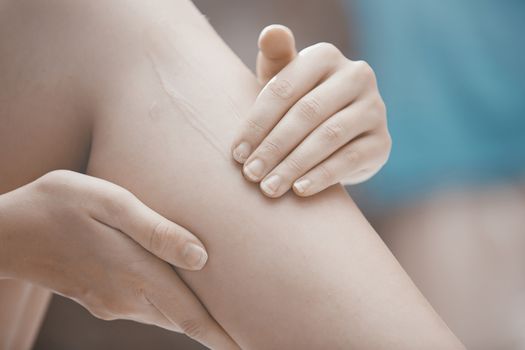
[163,94]
[289,273]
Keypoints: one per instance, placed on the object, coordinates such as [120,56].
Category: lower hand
[96,243]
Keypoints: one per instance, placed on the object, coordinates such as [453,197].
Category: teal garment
[452,74]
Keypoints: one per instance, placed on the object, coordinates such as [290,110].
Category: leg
[293,273]
[276,268]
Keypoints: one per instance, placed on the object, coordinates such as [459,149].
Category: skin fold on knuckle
[271,149]
[332,133]
[162,238]
[252,126]
[296,167]
[309,109]
[280,88]
[325,175]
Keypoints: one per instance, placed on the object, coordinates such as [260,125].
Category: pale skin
[319,119]
[74,233]
[151,113]
[111,208]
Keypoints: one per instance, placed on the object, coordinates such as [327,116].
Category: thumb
[162,237]
[276,50]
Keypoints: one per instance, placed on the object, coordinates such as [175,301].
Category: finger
[331,135]
[179,305]
[357,161]
[165,239]
[307,114]
[296,79]
[276,49]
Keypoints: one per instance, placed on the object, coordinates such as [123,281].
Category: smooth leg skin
[163,94]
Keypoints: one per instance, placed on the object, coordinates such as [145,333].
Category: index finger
[300,76]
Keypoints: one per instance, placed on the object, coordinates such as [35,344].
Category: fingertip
[194,256]
[303,187]
[241,152]
[276,41]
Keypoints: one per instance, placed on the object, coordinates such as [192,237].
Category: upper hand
[96,243]
[318,120]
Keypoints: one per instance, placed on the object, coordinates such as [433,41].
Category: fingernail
[195,256]
[254,169]
[302,185]
[271,184]
[241,152]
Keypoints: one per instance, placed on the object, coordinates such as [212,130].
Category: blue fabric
[452,73]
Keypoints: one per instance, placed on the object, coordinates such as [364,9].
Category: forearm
[291,273]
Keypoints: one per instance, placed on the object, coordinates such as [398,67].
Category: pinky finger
[355,162]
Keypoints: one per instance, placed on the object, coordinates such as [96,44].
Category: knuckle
[112,204]
[280,88]
[193,328]
[294,165]
[49,182]
[351,156]
[332,132]
[365,71]
[254,126]
[309,109]
[115,200]
[326,174]
[329,49]
[271,148]
[161,237]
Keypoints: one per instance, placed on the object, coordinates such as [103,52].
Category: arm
[294,273]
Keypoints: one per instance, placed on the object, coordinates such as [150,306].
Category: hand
[318,120]
[96,243]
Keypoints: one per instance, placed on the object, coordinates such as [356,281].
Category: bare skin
[318,120]
[97,244]
[149,110]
